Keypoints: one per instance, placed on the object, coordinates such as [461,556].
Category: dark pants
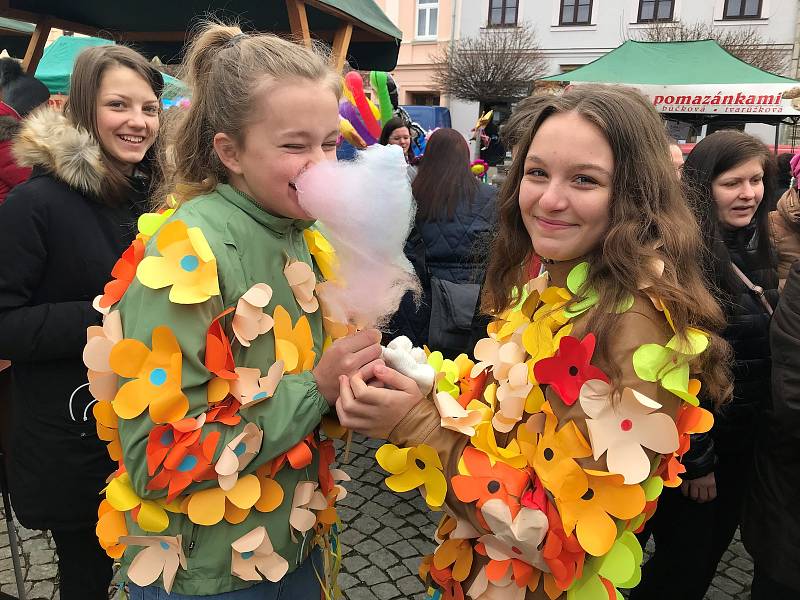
[84,569]
[765,588]
[691,537]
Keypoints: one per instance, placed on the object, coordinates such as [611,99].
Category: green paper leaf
[625,305]
[677,378]
[649,360]
[436,360]
[619,563]
[652,488]
[685,396]
[577,277]
[696,342]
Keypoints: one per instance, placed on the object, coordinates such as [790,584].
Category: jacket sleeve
[295,409]
[34,332]
[785,346]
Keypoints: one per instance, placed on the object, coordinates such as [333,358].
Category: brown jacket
[642,324]
[785,227]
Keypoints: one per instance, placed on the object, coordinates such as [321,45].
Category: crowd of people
[611,322]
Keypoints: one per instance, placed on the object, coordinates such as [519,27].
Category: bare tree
[498,65]
[744,42]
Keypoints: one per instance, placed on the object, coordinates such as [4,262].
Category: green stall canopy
[55,68]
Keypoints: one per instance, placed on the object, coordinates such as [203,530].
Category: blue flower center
[164,545]
[166,438]
[189,263]
[188,463]
[247,555]
[158,376]
[240,448]
[259,395]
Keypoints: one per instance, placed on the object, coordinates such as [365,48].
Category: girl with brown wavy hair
[552,450]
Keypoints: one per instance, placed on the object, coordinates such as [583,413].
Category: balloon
[350,134]
[349,112]
[377,80]
[353,81]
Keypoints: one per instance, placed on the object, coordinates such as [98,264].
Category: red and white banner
[725,99]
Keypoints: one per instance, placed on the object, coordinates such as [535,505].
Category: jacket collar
[279,225]
[49,141]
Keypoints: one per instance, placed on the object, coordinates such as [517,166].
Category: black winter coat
[58,247]
[770,520]
[748,334]
[455,250]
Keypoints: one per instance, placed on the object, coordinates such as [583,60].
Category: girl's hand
[358,353]
[375,411]
[702,489]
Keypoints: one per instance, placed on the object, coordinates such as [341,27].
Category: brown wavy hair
[224,67]
[649,220]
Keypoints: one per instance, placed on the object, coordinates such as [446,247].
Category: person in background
[770,521]
[784,223]
[676,154]
[783,178]
[729,173]
[455,214]
[396,133]
[20,94]
[61,232]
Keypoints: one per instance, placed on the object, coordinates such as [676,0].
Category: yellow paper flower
[186,263]
[412,468]
[323,253]
[156,378]
[293,345]
[150,515]
[589,515]
[485,441]
[208,507]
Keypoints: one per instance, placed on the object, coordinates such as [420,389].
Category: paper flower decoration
[177,450]
[335,318]
[208,507]
[156,378]
[237,454]
[250,388]
[454,554]
[161,557]
[302,281]
[186,264]
[254,559]
[620,567]
[454,416]
[562,553]
[481,481]
[97,353]
[570,368]
[499,356]
[624,429]
[107,426]
[149,515]
[576,282]
[250,320]
[323,253]
[298,456]
[414,467]
[512,395]
[448,587]
[485,441]
[552,455]
[590,514]
[123,272]
[271,495]
[670,364]
[219,358]
[513,539]
[226,412]
[294,346]
[307,498]
[110,527]
[149,223]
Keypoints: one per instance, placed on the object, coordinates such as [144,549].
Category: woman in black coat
[61,233]
[455,215]
[730,175]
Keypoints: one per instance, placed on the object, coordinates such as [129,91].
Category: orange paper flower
[123,273]
[219,358]
[208,507]
[111,526]
[481,481]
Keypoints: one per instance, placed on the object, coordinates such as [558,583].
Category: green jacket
[250,247]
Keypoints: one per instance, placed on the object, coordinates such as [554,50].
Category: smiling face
[295,125]
[127,116]
[738,192]
[401,137]
[565,193]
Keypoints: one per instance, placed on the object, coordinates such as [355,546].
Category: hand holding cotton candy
[365,209]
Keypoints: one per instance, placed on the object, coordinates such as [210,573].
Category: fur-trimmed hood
[49,141]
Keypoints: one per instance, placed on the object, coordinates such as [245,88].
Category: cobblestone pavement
[385,535]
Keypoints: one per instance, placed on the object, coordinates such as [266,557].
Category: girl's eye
[151,109]
[116,104]
[329,145]
[535,173]
[584,180]
[293,146]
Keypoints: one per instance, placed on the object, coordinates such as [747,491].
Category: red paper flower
[225,412]
[562,552]
[219,358]
[123,273]
[569,369]
[299,456]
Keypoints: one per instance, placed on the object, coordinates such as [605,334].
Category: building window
[424,99]
[427,18]
[655,10]
[742,9]
[576,12]
[503,13]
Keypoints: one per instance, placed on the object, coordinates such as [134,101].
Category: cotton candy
[365,210]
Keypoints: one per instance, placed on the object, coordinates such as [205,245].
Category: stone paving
[385,535]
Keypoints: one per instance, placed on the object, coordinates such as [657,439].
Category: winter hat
[20,91]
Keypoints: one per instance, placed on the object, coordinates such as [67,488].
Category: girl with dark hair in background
[730,175]
[61,233]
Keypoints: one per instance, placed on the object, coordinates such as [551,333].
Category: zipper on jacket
[192,541]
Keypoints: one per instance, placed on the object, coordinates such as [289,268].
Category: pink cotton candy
[365,210]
